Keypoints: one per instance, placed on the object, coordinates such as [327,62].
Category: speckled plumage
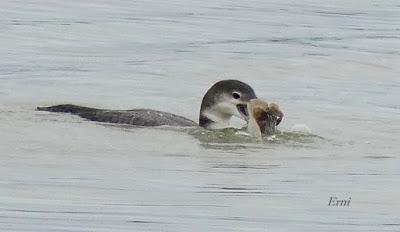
[137,117]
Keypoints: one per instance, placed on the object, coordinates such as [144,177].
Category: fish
[264,117]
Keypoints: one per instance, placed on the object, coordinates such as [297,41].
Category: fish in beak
[264,117]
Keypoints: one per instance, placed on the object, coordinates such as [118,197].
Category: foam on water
[302,128]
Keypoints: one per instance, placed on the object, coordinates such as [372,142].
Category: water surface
[332,66]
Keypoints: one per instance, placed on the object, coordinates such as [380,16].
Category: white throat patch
[221,114]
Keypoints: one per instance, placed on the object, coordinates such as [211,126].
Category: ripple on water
[236,138]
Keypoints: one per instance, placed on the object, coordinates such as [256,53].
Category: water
[332,66]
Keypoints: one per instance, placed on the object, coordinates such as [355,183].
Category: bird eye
[235,95]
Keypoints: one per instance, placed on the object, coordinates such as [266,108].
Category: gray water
[332,66]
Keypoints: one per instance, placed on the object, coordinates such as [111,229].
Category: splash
[240,136]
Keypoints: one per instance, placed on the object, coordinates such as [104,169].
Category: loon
[223,100]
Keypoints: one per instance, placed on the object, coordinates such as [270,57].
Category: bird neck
[214,117]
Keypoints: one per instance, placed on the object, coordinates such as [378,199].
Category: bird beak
[242,109]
